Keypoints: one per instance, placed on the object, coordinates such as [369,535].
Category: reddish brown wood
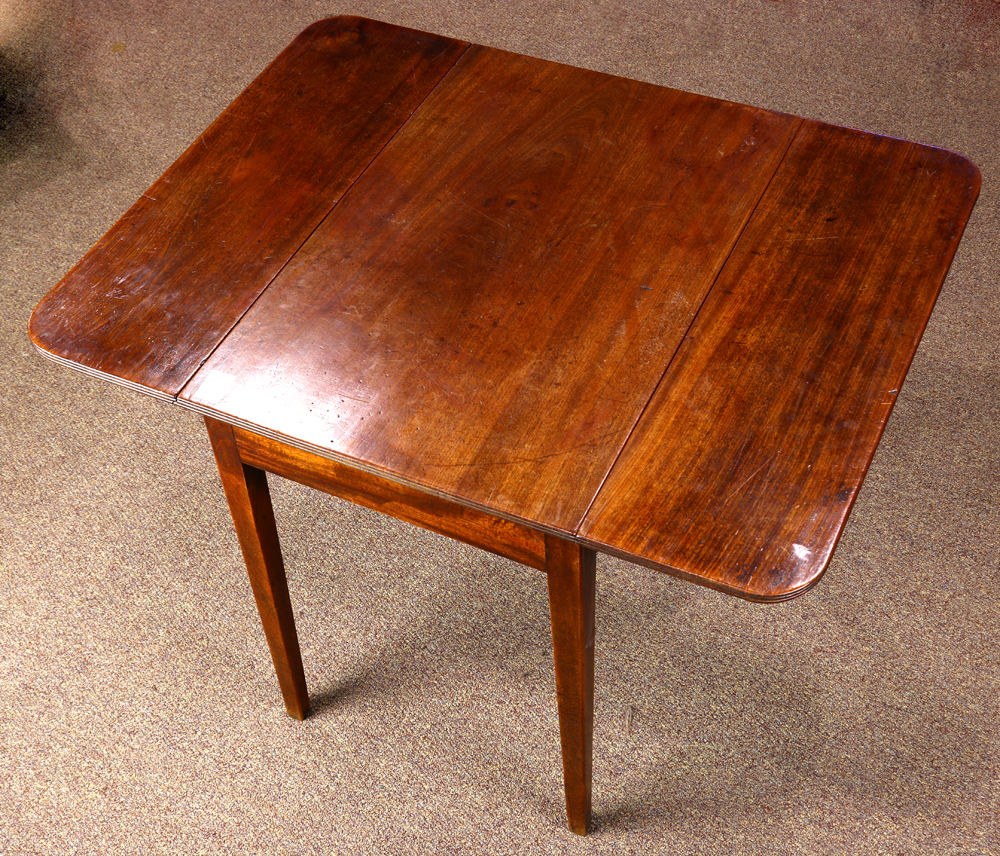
[171,278]
[508,539]
[488,310]
[572,587]
[635,319]
[743,470]
[250,504]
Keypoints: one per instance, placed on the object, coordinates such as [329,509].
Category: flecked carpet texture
[139,713]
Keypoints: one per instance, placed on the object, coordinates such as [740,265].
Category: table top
[663,325]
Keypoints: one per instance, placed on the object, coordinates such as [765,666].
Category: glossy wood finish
[745,465]
[147,305]
[488,310]
[504,279]
[539,309]
[572,572]
[250,504]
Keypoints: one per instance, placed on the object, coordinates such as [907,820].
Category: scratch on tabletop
[450,393]
[476,210]
[743,484]
[354,398]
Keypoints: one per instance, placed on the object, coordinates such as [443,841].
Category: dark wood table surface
[541,309]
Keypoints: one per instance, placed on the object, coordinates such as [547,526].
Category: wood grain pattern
[743,470]
[171,278]
[507,539]
[487,312]
[250,504]
[652,323]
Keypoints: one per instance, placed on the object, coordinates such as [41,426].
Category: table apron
[471,526]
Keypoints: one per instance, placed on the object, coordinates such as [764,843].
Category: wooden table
[542,310]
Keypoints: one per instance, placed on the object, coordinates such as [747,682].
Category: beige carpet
[138,709]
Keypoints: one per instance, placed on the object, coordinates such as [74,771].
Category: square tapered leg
[250,504]
[572,586]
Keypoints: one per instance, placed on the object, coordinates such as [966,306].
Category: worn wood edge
[99,375]
[468,525]
[705,582]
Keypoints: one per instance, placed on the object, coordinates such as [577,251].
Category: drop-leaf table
[543,310]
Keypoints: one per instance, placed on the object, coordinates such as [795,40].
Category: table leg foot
[250,504]
[571,570]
